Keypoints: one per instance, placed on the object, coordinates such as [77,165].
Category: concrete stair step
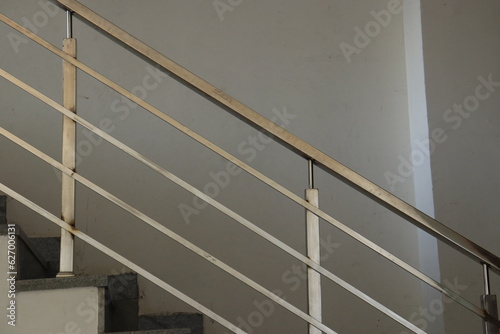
[158,331]
[101,304]
[120,296]
[193,321]
[49,249]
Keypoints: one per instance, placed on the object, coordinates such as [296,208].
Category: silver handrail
[415,216]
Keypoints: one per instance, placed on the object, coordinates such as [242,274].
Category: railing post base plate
[65,274]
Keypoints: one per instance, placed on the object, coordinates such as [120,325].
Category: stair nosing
[62,283]
[154,331]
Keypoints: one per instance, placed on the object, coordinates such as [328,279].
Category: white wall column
[421,148]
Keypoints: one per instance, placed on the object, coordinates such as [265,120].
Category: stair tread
[157,331]
[193,321]
[62,283]
[127,286]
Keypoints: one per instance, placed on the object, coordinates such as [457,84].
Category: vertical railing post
[314,253]
[489,302]
[68,153]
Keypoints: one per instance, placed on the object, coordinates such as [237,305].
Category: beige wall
[279,58]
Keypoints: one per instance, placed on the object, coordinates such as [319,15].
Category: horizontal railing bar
[252,171]
[156,225]
[414,215]
[124,261]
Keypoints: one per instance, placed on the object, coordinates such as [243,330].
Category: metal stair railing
[419,218]
[322,160]
[203,196]
[441,288]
